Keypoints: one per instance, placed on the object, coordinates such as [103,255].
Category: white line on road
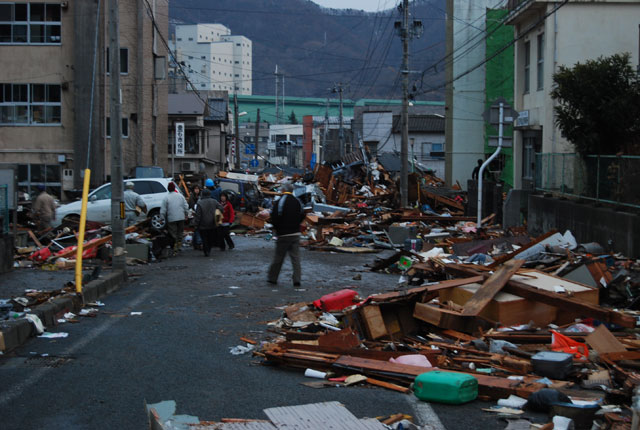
[10,393]
[425,415]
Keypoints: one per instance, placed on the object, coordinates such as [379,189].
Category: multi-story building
[550,34]
[54,89]
[213,58]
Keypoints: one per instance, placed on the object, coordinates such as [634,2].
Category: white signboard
[180,139]
[523,118]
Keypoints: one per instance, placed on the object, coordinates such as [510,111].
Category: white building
[214,59]
[551,34]
[465,91]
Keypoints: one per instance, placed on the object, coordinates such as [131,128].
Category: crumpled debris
[35,320]
[241,349]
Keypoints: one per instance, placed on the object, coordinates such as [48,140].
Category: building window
[527,65]
[237,62]
[30,23]
[30,104]
[32,175]
[124,125]
[203,57]
[179,39]
[540,74]
[124,61]
[191,39]
[237,44]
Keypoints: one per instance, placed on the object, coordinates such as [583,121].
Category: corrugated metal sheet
[249,425]
[420,123]
[327,416]
[217,110]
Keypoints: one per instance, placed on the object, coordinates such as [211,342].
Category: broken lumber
[491,287]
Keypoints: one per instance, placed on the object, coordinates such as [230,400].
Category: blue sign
[249,148]
[254,163]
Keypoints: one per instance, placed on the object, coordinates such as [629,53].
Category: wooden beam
[491,287]
[499,260]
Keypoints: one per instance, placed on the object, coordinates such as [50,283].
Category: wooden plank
[373,322]
[426,288]
[34,238]
[602,341]
[491,386]
[491,287]
[388,385]
[447,319]
[554,299]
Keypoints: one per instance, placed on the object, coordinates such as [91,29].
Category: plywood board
[602,341]
[491,287]
[373,321]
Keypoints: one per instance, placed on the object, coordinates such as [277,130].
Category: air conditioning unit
[189,166]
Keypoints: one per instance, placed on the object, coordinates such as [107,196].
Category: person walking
[132,201]
[286,215]
[43,209]
[194,197]
[174,210]
[228,215]
[205,220]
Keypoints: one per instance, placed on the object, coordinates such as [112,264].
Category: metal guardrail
[4,208]
[601,178]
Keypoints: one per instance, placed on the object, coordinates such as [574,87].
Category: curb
[14,333]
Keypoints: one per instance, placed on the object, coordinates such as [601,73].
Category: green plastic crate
[445,387]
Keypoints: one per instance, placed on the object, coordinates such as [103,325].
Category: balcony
[524,9]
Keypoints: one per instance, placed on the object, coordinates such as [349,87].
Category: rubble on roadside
[528,319]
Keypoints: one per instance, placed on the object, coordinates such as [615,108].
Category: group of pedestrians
[214,215]
[213,218]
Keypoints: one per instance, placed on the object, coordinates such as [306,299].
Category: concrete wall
[612,229]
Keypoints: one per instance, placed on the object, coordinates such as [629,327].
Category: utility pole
[257,141]
[117,191]
[404,147]
[235,122]
[323,148]
[341,131]
[277,104]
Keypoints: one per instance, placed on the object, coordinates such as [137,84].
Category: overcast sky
[368,5]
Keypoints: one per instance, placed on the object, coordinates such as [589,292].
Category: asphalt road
[102,374]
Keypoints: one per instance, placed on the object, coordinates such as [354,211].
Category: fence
[602,178]
[4,208]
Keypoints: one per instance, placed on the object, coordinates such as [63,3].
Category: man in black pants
[286,216]
[205,220]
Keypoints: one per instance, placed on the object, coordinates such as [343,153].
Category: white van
[152,190]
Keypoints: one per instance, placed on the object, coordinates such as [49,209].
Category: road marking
[10,393]
[425,415]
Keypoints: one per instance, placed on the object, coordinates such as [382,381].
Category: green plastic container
[445,387]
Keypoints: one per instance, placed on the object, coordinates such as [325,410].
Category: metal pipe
[486,163]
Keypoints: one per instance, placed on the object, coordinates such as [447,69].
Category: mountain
[316,47]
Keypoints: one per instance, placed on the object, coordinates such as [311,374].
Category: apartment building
[54,89]
[214,59]
[550,34]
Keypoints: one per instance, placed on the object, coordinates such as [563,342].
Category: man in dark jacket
[205,220]
[286,216]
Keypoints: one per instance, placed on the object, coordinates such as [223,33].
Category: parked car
[243,195]
[152,191]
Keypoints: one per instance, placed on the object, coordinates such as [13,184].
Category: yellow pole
[83,219]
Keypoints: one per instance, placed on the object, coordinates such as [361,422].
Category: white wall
[575,33]
[466,143]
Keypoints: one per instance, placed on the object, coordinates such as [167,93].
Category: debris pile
[523,326]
